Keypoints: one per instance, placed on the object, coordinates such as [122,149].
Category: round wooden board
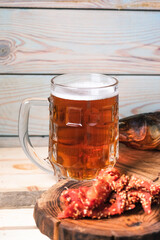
[133,224]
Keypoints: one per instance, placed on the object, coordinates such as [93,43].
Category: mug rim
[78,74]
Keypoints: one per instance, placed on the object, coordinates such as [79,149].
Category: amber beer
[83,131]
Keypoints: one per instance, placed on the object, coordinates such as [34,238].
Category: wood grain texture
[132,225]
[14,89]
[21,182]
[138,94]
[23,233]
[19,224]
[19,199]
[13,141]
[104,4]
[61,41]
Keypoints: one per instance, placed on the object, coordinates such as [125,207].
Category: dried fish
[141,131]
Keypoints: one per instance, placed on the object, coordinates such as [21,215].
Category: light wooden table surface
[21,183]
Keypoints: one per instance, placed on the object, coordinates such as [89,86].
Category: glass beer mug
[83,128]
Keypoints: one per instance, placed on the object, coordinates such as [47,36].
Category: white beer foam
[84,87]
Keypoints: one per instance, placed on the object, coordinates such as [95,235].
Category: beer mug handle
[23,133]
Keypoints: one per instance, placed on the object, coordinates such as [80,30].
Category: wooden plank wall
[40,39]
[104,4]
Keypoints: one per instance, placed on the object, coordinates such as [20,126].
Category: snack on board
[110,194]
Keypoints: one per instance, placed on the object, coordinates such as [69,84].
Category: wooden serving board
[134,224]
